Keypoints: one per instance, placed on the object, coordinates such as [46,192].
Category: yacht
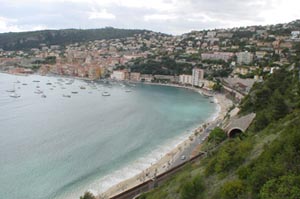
[105,93]
[14,95]
[11,90]
[38,92]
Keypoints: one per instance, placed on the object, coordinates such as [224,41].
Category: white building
[197,77]
[295,34]
[186,79]
[119,75]
[217,56]
[244,57]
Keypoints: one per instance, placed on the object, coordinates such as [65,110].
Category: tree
[232,189]
[88,195]
[193,188]
[217,135]
[280,109]
[283,187]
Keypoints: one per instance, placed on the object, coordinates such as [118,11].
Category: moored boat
[105,93]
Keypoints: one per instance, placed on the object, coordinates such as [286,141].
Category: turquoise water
[58,147]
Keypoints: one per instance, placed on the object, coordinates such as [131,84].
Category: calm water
[57,147]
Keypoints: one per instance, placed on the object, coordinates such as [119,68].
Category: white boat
[38,92]
[14,95]
[127,91]
[43,96]
[11,90]
[105,93]
[66,95]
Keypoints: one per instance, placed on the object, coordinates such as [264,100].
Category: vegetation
[165,66]
[27,40]
[263,163]
[87,195]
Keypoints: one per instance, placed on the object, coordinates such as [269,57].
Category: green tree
[283,187]
[232,189]
[87,195]
[217,135]
[193,188]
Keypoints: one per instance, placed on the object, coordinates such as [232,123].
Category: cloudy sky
[168,16]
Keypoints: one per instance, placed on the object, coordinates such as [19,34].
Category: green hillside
[263,163]
[27,40]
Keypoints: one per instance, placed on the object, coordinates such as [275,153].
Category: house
[186,79]
[146,77]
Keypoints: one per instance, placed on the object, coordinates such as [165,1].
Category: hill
[262,163]
[27,40]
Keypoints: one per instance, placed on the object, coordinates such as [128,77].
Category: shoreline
[165,156]
[190,142]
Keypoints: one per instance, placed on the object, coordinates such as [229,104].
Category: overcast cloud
[168,16]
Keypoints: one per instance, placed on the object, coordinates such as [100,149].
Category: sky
[167,16]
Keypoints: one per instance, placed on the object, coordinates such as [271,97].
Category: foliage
[273,99]
[265,163]
[230,155]
[27,40]
[217,86]
[87,195]
[193,188]
[165,66]
[232,189]
[217,135]
[282,187]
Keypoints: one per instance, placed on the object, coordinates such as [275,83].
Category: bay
[58,147]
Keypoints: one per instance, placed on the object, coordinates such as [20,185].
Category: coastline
[163,158]
[191,143]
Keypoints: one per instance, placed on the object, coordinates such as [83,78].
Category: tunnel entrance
[234,132]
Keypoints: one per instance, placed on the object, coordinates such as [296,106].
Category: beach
[182,152]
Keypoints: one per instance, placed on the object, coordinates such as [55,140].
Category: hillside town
[237,57]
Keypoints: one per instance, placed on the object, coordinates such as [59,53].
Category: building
[94,72]
[119,75]
[197,76]
[135,76]
[186,79]
[211,34]
[225,56]
[295,34]
[165,78]
[241,70]
[244,57]
[146,78]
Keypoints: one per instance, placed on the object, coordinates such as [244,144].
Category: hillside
[27,40]
[261,163]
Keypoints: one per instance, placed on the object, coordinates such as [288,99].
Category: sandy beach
[183,151]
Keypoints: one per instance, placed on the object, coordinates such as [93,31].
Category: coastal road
[188,150]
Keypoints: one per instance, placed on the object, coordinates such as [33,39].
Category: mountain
[27,40]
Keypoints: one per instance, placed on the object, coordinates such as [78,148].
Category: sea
[74,139]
